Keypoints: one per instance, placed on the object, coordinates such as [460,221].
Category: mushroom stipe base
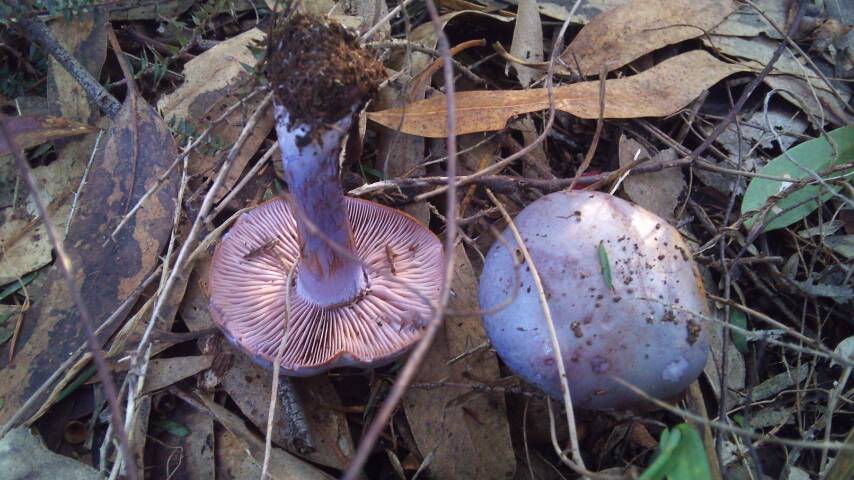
[401,258]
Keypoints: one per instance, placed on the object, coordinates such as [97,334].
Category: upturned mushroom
[622,289]
[364,275]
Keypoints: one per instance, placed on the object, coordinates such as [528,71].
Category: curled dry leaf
[450,424]
[32,130]
[137,150]
[618,36]
[657,92]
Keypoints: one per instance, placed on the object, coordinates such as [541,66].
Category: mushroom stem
[328,272]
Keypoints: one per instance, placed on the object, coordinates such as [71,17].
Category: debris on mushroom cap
[632,324]
[319,71]
[402,260]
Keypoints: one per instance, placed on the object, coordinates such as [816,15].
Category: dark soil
[318,70]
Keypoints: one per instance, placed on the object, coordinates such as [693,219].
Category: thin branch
[38,31]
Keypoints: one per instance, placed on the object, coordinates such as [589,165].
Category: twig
[82,183]
[598,133]
[245,180]
[404,378]
[274,391]
[65,266]
[37,30]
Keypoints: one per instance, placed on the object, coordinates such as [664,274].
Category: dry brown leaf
[659,191]
[617,37]
[136,151]
[233,461]
[211,86]
[747,22]
[657,92]
[452,424]
[31,130]
[163,372]
[24,245]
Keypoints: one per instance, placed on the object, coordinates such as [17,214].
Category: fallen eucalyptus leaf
[657,92]
[630,31]
[815,155]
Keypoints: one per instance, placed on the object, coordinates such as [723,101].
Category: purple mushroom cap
[402,261]
[638,328]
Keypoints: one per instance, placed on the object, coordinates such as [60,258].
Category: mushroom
[623,291]
[364,276]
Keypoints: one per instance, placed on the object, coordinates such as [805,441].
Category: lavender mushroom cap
[639,330]
[402,263]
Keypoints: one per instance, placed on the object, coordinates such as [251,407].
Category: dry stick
[130,412]
[598,133]
[417,356]
[94,90]
[82,183]
[578,465]
[65,266]
[207,204]
[274,391]
[727,287]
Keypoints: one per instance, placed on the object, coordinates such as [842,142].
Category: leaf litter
[674,71]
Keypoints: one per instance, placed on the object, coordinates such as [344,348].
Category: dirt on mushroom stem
[319,72]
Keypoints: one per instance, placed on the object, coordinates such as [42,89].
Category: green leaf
[816,155]
[841,244]
[170,426]
[739,319]
[680,456]
[17,285]
[604,265]
[666,446]
[689,458]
